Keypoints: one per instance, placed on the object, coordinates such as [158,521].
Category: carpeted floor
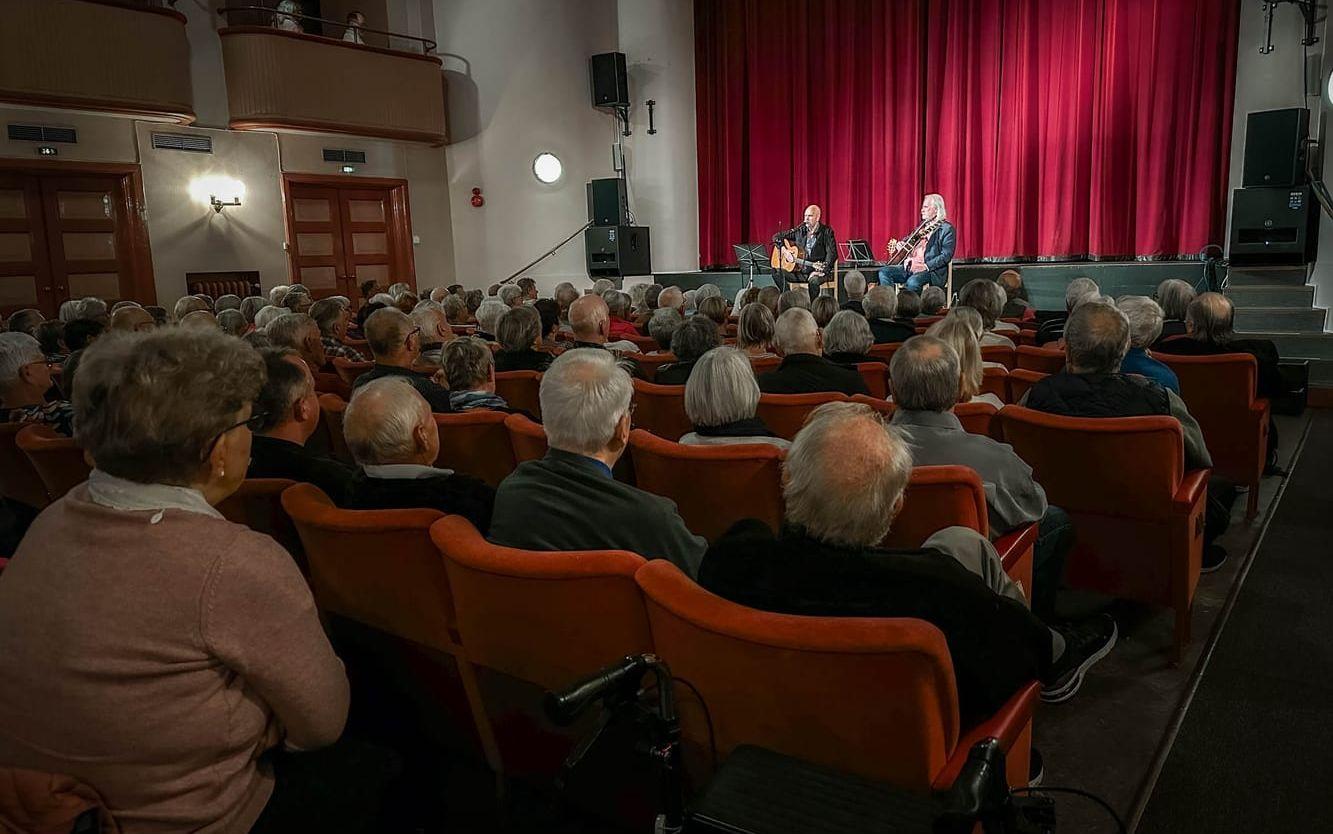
[1252,752]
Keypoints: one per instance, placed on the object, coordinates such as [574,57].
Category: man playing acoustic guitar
[819,245]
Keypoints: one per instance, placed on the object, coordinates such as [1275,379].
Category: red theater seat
[476,443]
[784,414]
[649,363]
[713,486]
[764,364]
[19,481]
[331,410]
[876,377]
[258,505]
[57,459]
[995,381]
[521,389]
[1137,514]
[661,409]
[526,438]
[871,696]
[331,383]
[645,344]
[1020,382]
[1003,354]
[1041,359]
[884,352]
[348,371]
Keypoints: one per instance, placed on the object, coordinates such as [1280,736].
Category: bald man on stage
[820,247]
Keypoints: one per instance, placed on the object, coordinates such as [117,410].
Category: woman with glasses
[25,380]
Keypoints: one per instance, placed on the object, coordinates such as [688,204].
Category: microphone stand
[548,253]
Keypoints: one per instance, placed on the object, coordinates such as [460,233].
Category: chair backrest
[476,443]
[764,364]
[876,377]
[784,414]
[1044,360]
[939,497]
[995,381]
[1003,354]
[331,410]
[661,409]
[58,460]
[331,383]
[1215,387]
[873,696]
[348,370]
[19,481]
[377,567]
[649,363]
[1020,382]
[35,802]
[550,617]
[977,418]
[522,390]
[258,505]
[645,344]
[1116,466]
[528,439]
[885,351]
[713,486]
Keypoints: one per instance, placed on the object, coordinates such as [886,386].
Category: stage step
[1281,319]
[1274,295]
[1267,276]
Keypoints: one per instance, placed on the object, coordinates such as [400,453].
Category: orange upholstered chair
[977,418]
[1006,356]
[528,439]
[476,443]
[645,344]
[1220,393]
[876,377]
[19,481]
[649,363]
[871,696]
[538,621]
[521,389]
[884,352]
[784,414]
[331,383]
[764,364]
[348,371]
[995,381]
[331,410]
[713,486]
[1139,521]
[1021,381]
[661,409]
[1042,359]
[379,570]
[59,462]
[258,505]
[34,802]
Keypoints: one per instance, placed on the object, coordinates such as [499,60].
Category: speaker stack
[613,246]
[1274,217]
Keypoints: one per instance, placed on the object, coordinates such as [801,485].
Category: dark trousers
[799,280]
[1055,538]
[341,789]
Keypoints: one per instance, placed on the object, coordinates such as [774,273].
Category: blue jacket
[1137,361]
[939,251]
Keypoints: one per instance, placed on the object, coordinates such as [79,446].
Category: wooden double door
[343,231]
[71,233]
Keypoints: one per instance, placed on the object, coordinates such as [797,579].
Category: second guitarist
[819,245]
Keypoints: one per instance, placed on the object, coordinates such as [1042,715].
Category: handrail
[426,45]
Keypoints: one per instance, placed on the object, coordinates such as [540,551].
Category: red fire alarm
[477,200]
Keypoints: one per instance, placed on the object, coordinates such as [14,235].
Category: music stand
[856,253]
[752,255]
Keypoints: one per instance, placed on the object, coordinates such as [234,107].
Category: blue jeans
[1055,538]
[914,281]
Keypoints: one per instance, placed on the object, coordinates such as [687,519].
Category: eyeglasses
[253,423]
[413,332]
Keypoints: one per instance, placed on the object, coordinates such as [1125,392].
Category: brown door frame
[133,209]
[399,221]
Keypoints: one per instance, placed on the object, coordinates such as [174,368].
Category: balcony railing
[282,77]
[129,57]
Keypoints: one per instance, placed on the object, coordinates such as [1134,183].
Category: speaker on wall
[610,85]
[1274,226]
[618,250]
[1275,148]
[607,202]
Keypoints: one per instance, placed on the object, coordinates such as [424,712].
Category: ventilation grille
[344,155]
[40,133]
[182,142]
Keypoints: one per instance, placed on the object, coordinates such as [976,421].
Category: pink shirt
[918,256]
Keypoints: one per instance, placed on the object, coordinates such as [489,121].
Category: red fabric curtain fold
[1084,128]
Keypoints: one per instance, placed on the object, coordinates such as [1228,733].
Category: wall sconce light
[348,169]
[217,192]
[219,205]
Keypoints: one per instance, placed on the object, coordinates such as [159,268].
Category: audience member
[754,330]
[469,368]
[473,299]
[268,315]
[396,345]
[187,304]
[548,312]
[232,322]
[352,32]
[92,308]
[804,370]
[435,331]
[1016,303]
[722,399]
[297,302]
[250,305]
[68,311]
[672,298]
[25,377]
[987,298]
[880,305]
[529,288]
[713,308]
[277,294]
[793,299]
[907,308]
[960,334]
[823,308]
[288,411]
[132,320]
[285,16]
[26,321]
[158,313]
[933,300]
[565,295]
[662,328]
[510,295]
[488,318]
[1175,296]
[206,643]
[399,288]
[693,339]
[568,499]
[455,309]
[591,322]
[847,339]
[602,285]
[827,562]
[1052,328]
[855,285]
[201,319]
[519,335]
[331,319]
[768,296]
[224,302]
[50,336]
[618,305]
[406,301]
[300,333]
[394,439]
[492,290]
[1145,325]
[1209,331]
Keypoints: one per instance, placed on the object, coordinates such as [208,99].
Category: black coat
[889,332]
[437,396]
[676,373]
[824,251]
[1269,382]
[805,373]
[274,458]
[450,494]
[522,360]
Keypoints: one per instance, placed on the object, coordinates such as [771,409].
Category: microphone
[563,708]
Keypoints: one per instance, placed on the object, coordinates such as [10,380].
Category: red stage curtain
[1062,130]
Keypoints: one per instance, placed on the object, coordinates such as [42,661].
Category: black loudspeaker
[607,202]
[1275,148]
[1274,226]
[618,250]
[610,85]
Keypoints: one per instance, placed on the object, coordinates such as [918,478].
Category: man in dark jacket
[804,370]
[1209,326]
[880,306]
[826,562]
[926,264]
[396,344]
[568,500]
[818,243]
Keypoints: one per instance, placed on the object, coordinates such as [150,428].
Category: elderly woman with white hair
[519,333]
[847,339]
[1174,296]
[662,327]
[987,298]
[488,318]
[1145,326]
[696,336]
[722,399]
[268,315]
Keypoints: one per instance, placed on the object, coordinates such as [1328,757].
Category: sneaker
[1085,643]
[1214,557]
[1036,769]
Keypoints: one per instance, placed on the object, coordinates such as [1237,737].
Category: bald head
[388,422]
[1096,338]
[812,215]
[132,320]
[200,318]
[1209,317]
[797,332]
[590,319]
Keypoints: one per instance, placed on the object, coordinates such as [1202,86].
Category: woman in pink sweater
[148,647]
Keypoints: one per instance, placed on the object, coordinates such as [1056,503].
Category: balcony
[129,58]
[279,79]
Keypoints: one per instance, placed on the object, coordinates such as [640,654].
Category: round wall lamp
[547,167]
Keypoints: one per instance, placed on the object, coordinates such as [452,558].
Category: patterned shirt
[334,348]
[59,415]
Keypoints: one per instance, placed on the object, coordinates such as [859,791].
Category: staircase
[1276,303]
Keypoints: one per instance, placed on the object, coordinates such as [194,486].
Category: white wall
[206,77]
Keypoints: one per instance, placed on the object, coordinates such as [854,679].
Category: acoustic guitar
[798,260]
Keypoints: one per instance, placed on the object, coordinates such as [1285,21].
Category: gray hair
[398,288]
[17,350]
[1145,319]
[842,499]
[792,300]
[380,420]
[148,407]
[25,321]
[277,294]
[489,313]
[1175,296]
[925,373]
[326,312]
[286,383]
[937,202]
[290,330]
[663,326]
[796,332]
[637,295]
[1210,317]
[584,394]
[510,294]
[848,332]
[601,285]
[455,309]
[232,322]
[69,310]
[1078,290]
[714,308]
[268,315]
[671,297]
[565,294]
[854,283]
[707,291]
[386,331]
[250,305]
[694,338]
[519,328]
[91,308]
[755,326]
[227,302]
[467,363]
[617,303]
[933,299]
[1096,339]
[382,298]
[986,297]
[430,317]
[721,388]
[187,304]
[823,309]
[881,302]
